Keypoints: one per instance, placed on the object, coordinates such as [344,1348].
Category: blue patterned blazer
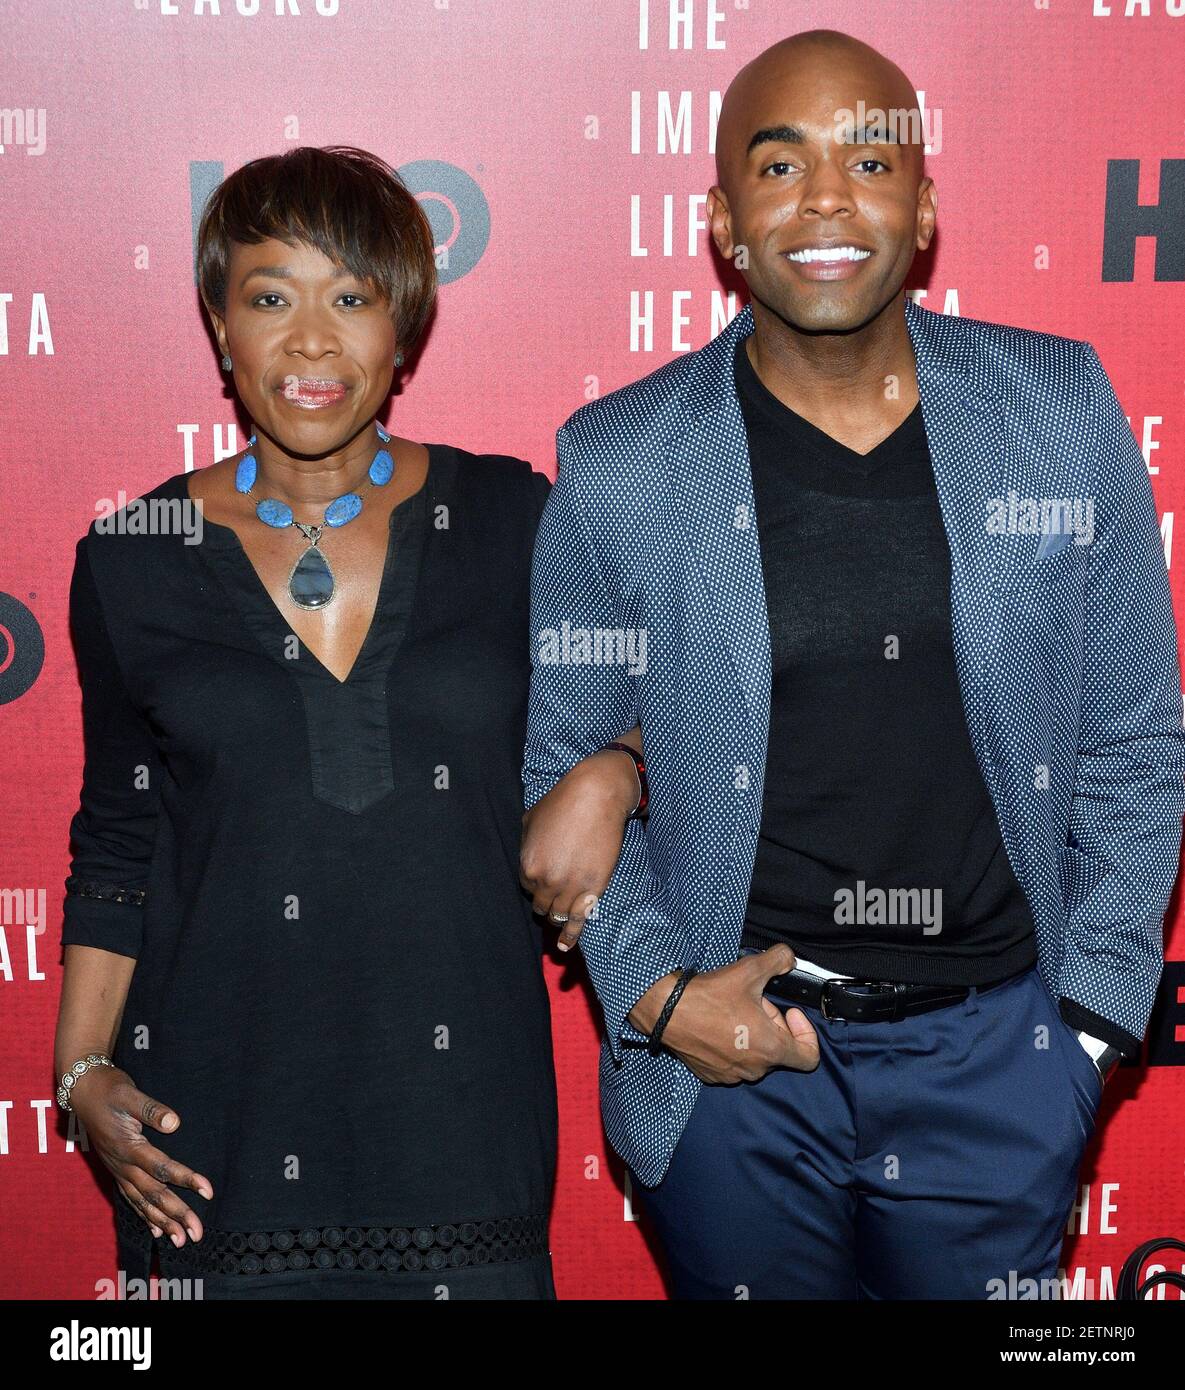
[1066,657]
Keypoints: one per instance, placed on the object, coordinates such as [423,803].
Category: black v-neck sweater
[880,853]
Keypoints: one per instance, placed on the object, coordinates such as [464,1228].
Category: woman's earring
[226,363]
[399,359]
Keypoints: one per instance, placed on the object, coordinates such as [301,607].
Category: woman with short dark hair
[293,903]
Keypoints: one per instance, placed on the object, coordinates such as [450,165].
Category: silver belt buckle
[880,985]
[825,999]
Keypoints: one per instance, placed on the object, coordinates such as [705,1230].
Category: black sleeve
[541,485]
[113,832]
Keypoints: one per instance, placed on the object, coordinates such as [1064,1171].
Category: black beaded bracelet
[655,1043]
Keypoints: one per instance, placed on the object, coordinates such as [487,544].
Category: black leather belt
[870,1001]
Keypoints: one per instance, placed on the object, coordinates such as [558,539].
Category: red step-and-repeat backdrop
[563,151]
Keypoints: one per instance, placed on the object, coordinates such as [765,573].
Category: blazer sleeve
[113,832]
[634,938]
[1121,860]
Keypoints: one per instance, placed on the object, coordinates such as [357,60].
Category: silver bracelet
[80,1068]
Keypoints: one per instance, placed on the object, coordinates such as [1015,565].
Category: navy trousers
[932,1158]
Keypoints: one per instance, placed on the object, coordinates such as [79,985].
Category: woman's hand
[572,839]
[116,1114]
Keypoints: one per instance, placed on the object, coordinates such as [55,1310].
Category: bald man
[911,708]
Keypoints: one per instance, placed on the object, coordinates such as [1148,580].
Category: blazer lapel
[970,450]
[713,490]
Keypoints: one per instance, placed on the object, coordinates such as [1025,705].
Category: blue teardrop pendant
[311,581]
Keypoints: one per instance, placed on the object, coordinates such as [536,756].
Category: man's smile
[828,262]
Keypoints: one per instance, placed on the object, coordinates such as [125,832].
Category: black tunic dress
[338,982]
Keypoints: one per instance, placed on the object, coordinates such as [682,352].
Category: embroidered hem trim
[384,1249]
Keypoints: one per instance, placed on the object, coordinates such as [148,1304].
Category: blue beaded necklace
[311,582]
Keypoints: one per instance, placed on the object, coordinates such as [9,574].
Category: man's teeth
[829,253]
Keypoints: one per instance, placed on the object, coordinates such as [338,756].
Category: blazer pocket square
[1052,543]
